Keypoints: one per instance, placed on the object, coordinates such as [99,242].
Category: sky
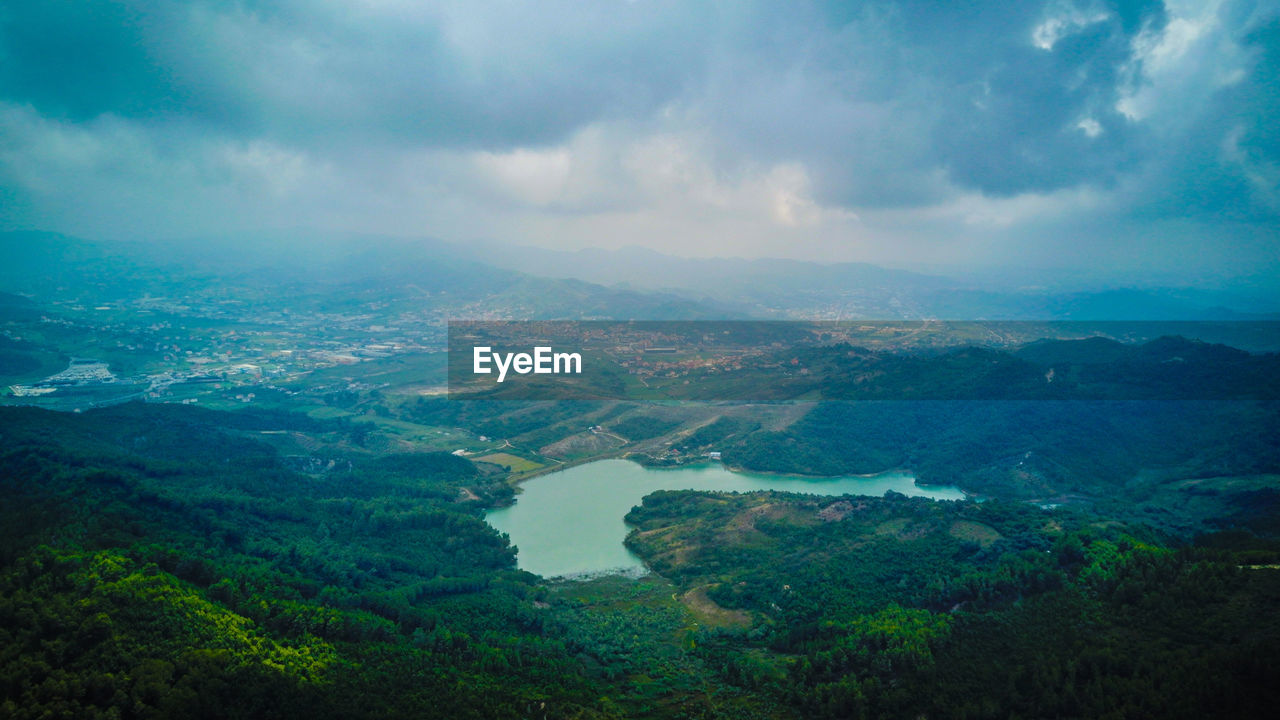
[1133,137]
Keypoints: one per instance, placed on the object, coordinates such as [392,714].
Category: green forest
[159,562]
[167,561]
[898,607]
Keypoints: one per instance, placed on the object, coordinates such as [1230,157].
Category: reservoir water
[570,522]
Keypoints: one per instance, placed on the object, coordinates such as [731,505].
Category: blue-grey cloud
[454,75]
[884,129]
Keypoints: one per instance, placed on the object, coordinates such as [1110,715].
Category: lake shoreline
[573,522]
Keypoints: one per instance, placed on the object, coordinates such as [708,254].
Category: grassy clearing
[892,527]
[325,412]
[516,463]
[709,614]
[982,534]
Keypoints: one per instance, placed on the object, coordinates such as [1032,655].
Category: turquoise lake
[570,522]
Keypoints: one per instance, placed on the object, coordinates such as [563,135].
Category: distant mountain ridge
[1102,351]
[644,268]
[783,287]
[320,269]
[629,283]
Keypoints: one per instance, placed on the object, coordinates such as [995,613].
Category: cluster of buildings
[79,373]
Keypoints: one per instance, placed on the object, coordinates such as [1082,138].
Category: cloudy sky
[1141,136]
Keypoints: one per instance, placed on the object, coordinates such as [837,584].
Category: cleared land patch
[514,462]
[982,534]
[711,614]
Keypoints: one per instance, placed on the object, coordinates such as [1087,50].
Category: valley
[281,488]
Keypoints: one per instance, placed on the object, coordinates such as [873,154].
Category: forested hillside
[163,561]
[897,607]
[1028,449]
[159,562]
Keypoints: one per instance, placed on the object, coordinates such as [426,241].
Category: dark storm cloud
[496,77]
[1011,121]
[1227,165]
[961,87]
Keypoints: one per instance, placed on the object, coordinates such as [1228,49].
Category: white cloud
[1175,69]
[1090,127]
[278,170]
[1262,175]
[534,177]
[979,211]
[161,180]
[612,185]
[606,169]
[1066,20]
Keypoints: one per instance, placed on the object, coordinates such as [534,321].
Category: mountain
[320,271]
[646,268]
[766,286]
[1102,351]
[793,288]
[626,283]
